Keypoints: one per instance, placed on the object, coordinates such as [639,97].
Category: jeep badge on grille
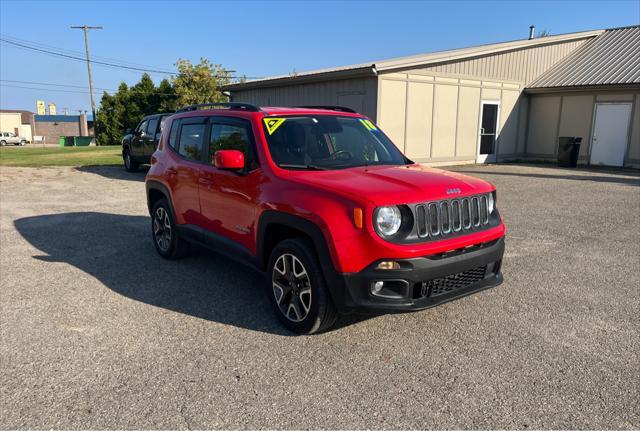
[453,191]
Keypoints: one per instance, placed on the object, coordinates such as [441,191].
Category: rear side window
[173,135]
[153,125]
[191,139]
[229,136]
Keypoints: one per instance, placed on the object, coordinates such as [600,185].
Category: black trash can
[568,150]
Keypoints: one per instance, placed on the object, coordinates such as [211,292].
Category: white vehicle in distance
[11,138]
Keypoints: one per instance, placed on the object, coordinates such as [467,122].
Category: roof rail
[229,105]
[330,108]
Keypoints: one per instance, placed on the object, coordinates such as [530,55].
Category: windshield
[328,142]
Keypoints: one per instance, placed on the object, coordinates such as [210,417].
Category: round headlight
[388,220]
[491,203]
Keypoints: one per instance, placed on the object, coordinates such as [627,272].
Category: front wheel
[129,164]
[23,142]
[297,288]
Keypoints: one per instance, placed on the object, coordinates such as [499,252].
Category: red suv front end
[427,236]
[324,203]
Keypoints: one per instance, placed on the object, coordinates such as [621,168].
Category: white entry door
[610,133]
[488,133]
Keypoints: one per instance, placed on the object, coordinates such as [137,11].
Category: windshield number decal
[273,124]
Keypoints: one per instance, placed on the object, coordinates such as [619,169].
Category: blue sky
[261,38]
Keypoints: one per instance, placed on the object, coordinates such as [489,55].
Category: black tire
[3,143]
[164,232]
[23,142]
[320,314]
[129,164]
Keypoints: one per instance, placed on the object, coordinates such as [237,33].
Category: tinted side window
[191,138]
[142,128]
[232,137]
[153,125]
[173,135]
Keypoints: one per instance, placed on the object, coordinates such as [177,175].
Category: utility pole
[86,29]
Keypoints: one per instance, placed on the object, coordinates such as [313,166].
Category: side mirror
[228,159]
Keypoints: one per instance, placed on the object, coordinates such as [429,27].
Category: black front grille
[450,283]
[439,219]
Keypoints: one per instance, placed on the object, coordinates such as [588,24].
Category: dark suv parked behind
[138,145]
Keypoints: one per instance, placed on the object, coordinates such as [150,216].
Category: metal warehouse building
[498,102]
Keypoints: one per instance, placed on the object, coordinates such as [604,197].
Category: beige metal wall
[435,118]
[571,114]
[356,93]
[433,112]
[10,122]
[522,65]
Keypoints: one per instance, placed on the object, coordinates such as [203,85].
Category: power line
[55,84]
[60,90]
[73,52]
[27,45]
[45,89]
[73,57]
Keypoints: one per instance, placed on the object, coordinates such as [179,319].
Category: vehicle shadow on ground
[115,172]
[624,177]
[117,250]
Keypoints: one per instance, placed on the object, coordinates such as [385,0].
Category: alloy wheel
[162,229]
[127,160]
[291,287]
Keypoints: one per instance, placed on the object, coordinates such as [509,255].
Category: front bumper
[421,282]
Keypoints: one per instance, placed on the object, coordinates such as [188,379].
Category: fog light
[390,289]
[388,264]
[377,286]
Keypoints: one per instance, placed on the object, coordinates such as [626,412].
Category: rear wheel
[129,164]
[297,288]
[166,237]
[3,143]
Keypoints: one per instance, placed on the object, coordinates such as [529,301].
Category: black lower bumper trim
[421,282]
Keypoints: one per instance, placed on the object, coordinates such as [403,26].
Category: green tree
[166,97]
[108,130]
[199,83]
[128,105]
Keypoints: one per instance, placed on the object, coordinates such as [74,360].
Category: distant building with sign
[54,126]
[52,109]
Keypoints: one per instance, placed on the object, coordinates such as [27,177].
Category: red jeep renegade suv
[323,202]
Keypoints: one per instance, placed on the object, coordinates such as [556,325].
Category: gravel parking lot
[97,331]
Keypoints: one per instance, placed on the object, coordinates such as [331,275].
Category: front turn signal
[357,217]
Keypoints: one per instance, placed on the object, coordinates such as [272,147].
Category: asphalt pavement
[98,332]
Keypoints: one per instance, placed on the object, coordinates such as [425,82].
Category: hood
[386,185]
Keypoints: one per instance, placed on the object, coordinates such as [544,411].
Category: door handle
[172,171]
[205,182]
